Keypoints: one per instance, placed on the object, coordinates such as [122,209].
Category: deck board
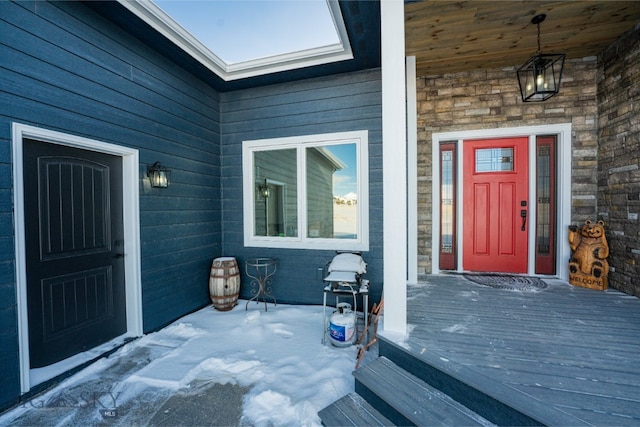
[572,348]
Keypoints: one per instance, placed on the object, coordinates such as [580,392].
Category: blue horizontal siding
[23,43]
[340,103]
[9,380]
[66,68]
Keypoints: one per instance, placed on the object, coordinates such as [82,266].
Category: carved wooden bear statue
[588,264]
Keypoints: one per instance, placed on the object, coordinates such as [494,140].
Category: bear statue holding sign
[588,266]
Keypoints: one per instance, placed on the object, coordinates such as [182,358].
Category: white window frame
[301,241]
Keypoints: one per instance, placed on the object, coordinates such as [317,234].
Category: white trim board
[394,165]
[131,223]
[412,172]
[563,196]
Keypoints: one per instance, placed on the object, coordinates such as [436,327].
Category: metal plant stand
[260,270]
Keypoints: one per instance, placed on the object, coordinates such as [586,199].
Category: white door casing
[131,223]
[563,182]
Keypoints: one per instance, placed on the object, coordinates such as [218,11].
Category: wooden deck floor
[564,348]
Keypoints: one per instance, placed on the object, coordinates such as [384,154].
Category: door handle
[523,214]
[118,247]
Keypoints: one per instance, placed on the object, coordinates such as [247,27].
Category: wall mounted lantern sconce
[263,189]
[159,176]
[540,76]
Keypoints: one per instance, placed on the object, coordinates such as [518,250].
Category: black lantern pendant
[540,76]
[263,189]
[159,176]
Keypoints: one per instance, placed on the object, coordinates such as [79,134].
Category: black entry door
[74,250]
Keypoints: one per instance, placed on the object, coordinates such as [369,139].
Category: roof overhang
[159,20]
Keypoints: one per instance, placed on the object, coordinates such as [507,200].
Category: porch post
[394,166]
[412,172]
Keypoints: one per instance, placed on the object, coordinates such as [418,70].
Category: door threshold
[462,272]
[39,376]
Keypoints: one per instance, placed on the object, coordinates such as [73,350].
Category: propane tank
[342,325]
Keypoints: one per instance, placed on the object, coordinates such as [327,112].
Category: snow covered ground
[276,356]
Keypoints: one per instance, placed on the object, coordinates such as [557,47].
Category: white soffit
[158,19]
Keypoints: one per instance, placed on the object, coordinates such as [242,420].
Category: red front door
[495,205]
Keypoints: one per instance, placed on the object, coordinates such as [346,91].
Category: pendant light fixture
[540,76]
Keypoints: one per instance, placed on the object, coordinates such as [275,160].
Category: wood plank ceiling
[452,36]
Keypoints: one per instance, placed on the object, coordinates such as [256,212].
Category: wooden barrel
[224,283]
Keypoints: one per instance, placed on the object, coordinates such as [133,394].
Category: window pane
[446,207]
[494,160]
[275,193]
[544,200]
[332,191]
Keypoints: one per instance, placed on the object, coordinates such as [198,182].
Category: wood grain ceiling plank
[447,35]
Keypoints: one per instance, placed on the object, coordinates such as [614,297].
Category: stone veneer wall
[485,99]
[619,158]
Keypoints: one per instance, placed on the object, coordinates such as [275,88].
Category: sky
[242,30]
[276,354]
[345,181]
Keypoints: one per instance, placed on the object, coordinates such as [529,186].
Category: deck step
[407,400]
[352,410]
[479,393]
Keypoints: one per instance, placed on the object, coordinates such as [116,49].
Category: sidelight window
[545,204]
[448,206]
